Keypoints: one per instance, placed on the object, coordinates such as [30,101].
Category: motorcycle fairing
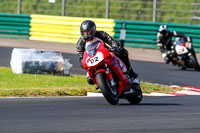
[102,57]
[92,61]
[181,49]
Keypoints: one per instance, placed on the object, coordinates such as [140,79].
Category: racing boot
[130,71]
[132,74]
[167,56]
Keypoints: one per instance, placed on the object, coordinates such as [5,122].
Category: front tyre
[194,62]
[108,92]
[181,67]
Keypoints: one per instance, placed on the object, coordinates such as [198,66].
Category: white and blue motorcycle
[183,55]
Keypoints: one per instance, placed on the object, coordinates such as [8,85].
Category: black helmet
[163,29]
[88,29]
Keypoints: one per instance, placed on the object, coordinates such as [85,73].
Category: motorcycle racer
[164,41]
[88,32]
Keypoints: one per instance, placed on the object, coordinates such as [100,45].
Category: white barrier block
[37,61]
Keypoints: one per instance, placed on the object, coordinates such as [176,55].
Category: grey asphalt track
[180,114]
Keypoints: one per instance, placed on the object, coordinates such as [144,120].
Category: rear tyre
[136,97]
[110,94]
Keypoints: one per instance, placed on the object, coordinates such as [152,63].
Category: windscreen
[92,48]
[179,41]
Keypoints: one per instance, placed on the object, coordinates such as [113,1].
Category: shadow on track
[150,104]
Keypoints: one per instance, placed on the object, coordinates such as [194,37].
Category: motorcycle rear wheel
[136,97]
[110,95]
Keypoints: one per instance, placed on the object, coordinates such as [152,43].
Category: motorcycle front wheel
[194,62]
[108,92]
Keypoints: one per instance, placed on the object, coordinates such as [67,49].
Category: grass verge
[24,85]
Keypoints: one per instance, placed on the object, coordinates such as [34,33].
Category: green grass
[23,85]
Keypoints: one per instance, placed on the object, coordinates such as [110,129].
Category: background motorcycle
[109,73]
[183,54]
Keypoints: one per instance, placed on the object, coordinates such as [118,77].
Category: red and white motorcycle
[109,73]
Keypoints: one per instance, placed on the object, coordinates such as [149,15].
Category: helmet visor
[86,33]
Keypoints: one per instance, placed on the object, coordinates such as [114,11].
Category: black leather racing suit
[105,37]
[164,40]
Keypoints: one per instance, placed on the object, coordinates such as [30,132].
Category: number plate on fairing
[94,60]
[181,50]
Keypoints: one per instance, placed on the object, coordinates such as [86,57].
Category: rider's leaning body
[88,32]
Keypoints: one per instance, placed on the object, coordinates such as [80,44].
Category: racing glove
[115,48]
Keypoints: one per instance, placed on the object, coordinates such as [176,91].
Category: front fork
[108,75]
[111,82]
[122,78]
